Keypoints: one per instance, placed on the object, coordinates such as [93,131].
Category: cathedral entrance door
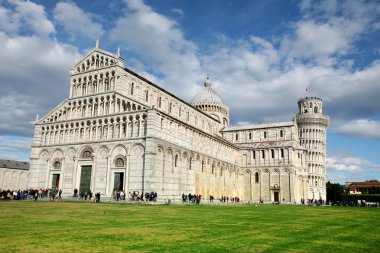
[118,182]
[276,196]
[55,181]
[85,178]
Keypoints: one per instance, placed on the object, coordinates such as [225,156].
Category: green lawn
[79,227]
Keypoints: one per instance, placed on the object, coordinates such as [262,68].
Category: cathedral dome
[207,96]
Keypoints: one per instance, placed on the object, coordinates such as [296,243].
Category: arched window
[87,154]
[57,165]
[265,134]
[282,153]
[256,177]
[263,153]
[119,162]
[176,161]
[315,109]
[132,86]
[272,153]
[237,137]
[250,135]
[281,133]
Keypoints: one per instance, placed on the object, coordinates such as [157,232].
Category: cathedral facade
[118,130]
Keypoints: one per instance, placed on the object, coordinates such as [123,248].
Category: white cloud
[253,76]
[361,128]
[9,22]
[316,42]
[351,169]
[348,164]
[19,144]
[33,68]
[329,30]
[15,148]
[33,79]
[160,44]
[32,17]
[76,22]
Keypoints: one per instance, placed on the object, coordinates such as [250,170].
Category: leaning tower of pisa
[312,125]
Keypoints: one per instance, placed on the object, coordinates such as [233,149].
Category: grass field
[90,227]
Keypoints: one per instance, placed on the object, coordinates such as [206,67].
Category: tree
[334,192]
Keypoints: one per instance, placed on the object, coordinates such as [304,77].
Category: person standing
[35,195]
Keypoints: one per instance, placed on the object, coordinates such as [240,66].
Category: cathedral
[118,130]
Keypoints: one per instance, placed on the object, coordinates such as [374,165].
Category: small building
[13,174]
[363,188]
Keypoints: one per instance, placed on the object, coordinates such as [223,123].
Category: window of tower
[237,137]
[315,109]
[265,134]
[281,133]
[272,153]
[263,153]
[282,153]
[250,135]
[256,177]
[159,102]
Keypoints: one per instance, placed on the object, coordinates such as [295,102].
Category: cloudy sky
[261,56]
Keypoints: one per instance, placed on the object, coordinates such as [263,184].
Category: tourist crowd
[119,195]
[196,198]
[32,193]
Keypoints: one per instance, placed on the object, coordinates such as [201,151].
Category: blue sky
[261,56]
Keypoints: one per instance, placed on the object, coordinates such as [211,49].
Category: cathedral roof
[207,96]
[12,164]
[259,126]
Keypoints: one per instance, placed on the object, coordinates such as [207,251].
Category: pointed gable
[97,59]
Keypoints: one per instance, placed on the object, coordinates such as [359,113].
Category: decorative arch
[137,149]
[57,153]
[44,154]
[160,149]
[86,153]
[70,153]
[119,146]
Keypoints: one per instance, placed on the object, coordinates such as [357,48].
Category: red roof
[355,185]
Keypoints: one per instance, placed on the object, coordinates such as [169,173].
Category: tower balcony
[313,119]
